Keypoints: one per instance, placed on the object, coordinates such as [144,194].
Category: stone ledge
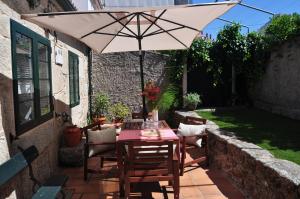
[255,171]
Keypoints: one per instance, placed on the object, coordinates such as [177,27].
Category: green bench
[12,167]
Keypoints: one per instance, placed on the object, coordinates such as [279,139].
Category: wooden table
[132,132]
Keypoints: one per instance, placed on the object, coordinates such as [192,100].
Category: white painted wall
[83,5]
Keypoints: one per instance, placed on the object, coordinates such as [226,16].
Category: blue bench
[12,167]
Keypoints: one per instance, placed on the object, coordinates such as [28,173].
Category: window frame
[76,102]
[35,40]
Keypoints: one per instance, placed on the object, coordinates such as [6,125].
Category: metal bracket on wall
[12,138]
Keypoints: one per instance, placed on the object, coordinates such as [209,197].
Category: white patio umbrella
[134,29]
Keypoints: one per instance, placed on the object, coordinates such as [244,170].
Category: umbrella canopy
[117,30]
[134,29]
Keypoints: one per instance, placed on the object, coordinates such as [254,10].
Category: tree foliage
[282,27]
[228,50]
[198,53]
[247,53]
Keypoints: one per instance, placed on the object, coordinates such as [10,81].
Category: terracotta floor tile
[196,183]
[190,192]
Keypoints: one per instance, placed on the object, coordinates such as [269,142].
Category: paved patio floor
[196,183]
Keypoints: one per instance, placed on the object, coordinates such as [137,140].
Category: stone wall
[118,74]
[279,89]
[46,136]
[253,170]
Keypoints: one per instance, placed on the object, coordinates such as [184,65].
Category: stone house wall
[47,136]
[118,75]
[279,89]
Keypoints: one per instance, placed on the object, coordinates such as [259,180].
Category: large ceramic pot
[72,135]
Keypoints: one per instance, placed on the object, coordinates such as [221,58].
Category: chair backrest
[137,115]
[16,164]
[150,155]
[95,126]
[195,120]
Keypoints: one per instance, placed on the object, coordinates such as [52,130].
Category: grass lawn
[279,135]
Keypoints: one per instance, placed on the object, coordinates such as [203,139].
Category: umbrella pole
[142,84]
[139,38]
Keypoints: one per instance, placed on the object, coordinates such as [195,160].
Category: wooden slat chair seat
[144,164]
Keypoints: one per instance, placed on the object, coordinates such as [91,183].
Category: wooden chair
[137,115]
[108,154]
[184,145]
[151,161]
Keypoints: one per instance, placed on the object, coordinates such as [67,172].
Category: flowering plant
[151,93]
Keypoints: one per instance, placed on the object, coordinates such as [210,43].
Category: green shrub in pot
[118,112]
[101,104]
[191,100]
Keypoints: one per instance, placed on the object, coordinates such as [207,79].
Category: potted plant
[118,112]
[72,135]
[101,105]
[191,100]
[151,92]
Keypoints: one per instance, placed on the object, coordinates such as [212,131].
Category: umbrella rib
[167,33]
[124,25]
[105,26]
[162,31]
[124,33]
[103,33]
[118,33]
[74,13]
[163,12]
[173,22]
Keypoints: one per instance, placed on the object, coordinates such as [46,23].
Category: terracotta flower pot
[100,119]
[72,135]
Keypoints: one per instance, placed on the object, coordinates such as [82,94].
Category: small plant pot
[72,136]
[118,120]
[100,119]
[191,107]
